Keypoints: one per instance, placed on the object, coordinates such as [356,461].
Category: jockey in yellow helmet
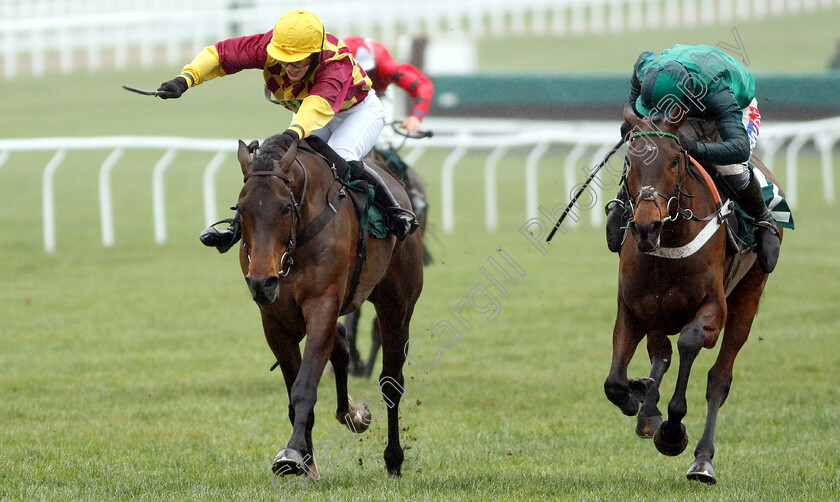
[312,73]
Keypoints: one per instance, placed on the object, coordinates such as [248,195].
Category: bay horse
[661,293]
[298,255]
[358,366]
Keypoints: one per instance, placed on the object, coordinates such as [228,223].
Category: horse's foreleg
[321,316]
[650,418]
[743,304]
[626,337]
[671,438]
[355,417]
[287,352]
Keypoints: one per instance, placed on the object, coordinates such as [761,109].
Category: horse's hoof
[670,440]
[646,426]
[288,462]
[358,419]
[364,417]
[702,471]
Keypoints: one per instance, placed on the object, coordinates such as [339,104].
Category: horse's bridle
[286,261]
[649,193]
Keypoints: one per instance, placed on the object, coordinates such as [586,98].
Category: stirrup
[213,237]
[397,219]
[769,225]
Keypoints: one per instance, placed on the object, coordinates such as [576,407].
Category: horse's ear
[244,156]
[630,116]
[288,157]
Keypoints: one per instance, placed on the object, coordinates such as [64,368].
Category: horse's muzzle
[264,290]
[646,236]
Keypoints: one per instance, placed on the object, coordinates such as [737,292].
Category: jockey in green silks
[718,94]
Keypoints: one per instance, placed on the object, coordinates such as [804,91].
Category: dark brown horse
[670,281]
[298,254]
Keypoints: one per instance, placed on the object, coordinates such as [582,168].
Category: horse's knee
[691,340]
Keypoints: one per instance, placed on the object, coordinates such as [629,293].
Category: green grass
[141,371]
[809,43]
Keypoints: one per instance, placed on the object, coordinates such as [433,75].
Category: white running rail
[460,137]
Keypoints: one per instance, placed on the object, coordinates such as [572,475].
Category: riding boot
[222,240]
[615,210]
[751,200]
[400,221]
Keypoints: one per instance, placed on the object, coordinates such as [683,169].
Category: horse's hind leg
[351,322]
[375,344]
[394,331]
[743,306]
[650,418]
[671,438]
[356,418]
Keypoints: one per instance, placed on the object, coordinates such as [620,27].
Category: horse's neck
[312,184]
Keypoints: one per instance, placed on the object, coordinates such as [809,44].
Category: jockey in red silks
[384,70]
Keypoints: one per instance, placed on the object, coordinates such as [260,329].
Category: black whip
[582,188]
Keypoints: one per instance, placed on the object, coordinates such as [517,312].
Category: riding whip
[582,188]
[140,91]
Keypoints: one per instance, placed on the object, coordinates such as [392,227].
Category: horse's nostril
[271,282]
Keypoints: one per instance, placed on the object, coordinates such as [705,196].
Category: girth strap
[360,200]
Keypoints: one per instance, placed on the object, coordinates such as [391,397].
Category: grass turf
[140,371]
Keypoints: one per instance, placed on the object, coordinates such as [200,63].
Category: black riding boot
[615,210]
[222,240]
[749,196]
[400,221]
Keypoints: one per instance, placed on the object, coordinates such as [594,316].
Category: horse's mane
[270,150]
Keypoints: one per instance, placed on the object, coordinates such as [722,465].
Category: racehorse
[358,366]
[662,292]
[298,255]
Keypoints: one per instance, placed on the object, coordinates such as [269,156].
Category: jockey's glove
[689,145]
[625,130]
[288,137]
[173,88]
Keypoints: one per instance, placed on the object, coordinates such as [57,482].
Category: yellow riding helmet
[297,34]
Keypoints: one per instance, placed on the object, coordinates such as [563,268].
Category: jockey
[718,93]
[313,74]
[383,70]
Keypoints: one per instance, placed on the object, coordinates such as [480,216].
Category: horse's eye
[287,209]
[676,162]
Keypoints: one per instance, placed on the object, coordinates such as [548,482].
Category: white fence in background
[41,36]
[589,142]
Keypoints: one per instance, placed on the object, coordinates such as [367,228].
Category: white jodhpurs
[353,132]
